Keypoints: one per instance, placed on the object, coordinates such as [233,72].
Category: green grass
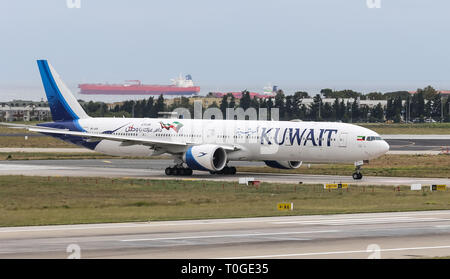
[52,156]
[40,142]
[62,200]
[14,156]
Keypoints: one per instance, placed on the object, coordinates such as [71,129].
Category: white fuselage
[324,142]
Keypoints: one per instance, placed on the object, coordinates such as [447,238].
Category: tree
[254,103]
[418,105]
[232,103]
[327,112]
[428,92]
[355,113]
[335,108]
[159,106]
[213,105]
[446,111]
[397,109]
[377,113]
[342,111]
[326,92]
[427,110]
[316,108]
[149,106]
[279,103]
[296,104]
[390,113]
[289,108]
[436,107]
[301,94]
[402,94]
[224,105]
[376,96]
[269,106]
[245,100]
[347,93]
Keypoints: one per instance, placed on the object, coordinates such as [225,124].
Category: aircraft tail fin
[63,104]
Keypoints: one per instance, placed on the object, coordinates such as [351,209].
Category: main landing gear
[178,170]
[357,175]
[225,170]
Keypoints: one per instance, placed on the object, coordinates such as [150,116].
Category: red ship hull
[142,89]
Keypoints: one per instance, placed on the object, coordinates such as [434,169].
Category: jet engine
[206,157]
[285,165]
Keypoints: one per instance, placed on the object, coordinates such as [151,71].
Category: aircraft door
[343,139]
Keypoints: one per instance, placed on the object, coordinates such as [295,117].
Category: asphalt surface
[417,144]
[154,169]
[384,235]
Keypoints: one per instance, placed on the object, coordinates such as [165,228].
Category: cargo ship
[179,86]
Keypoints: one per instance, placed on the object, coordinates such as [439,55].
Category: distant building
[362,103]
[206,101]
[20,110]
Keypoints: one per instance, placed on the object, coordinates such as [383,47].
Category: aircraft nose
[384,147]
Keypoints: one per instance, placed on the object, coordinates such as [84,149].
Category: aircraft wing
[126,140]
[93,136]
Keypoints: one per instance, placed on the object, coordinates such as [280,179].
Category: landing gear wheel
[168,171]
[357,176]
[232,170]
[226,170]
[178,171]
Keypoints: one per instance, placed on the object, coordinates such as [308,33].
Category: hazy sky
[230,44]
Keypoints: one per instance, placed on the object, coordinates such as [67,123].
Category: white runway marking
[338,252]
[350,221]
[226,235]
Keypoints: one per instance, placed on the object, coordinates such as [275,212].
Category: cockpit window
[372,138]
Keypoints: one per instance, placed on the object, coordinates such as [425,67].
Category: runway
[384,235]
[399,144]
[154,169]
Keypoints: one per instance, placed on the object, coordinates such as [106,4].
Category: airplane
[205,144]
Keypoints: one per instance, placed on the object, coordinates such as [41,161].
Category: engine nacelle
[207,157]
[285,165]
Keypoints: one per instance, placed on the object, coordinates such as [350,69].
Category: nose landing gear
[357,175]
